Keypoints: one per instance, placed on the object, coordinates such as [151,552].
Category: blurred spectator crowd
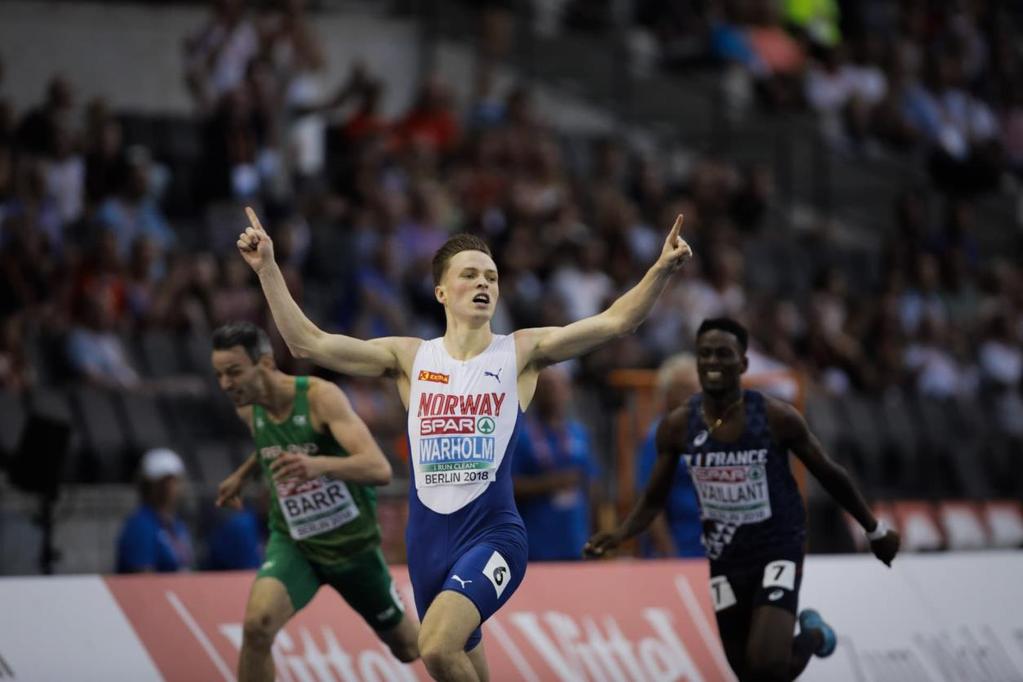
[117,245]
[940,81]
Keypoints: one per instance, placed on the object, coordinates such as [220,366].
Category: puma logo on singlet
[496,375]
[461,582]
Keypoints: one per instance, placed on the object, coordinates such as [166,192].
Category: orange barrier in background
[617,621]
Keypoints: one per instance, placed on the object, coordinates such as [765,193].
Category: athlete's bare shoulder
[526,341]
[320,389]
[404,348]
[784,419]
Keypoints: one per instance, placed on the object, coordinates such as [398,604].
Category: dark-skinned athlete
[736,444]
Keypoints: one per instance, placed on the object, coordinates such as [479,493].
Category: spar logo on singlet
[457,443]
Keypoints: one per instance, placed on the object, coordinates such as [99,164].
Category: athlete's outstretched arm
[794,433]
[305,340]
[549,345]
[365,463]
[670,436]
[230,489]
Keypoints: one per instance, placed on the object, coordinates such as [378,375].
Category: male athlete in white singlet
[465,393]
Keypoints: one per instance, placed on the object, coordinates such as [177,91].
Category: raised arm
[344,354]
[365,462]
[792,431]
[549,345]
[670,437]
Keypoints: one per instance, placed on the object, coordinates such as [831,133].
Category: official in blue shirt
[154,537]
[552,469]
[680,536]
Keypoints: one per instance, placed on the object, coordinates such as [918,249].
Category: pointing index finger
[254,219]
[676,229]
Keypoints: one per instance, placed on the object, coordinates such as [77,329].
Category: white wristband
[879,532]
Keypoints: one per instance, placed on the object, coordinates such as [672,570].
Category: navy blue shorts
[736,591]
[487,572]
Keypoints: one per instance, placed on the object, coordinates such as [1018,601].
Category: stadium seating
[145,423]
[214,461]
[105,443]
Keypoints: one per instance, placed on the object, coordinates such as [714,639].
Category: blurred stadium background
[850,174]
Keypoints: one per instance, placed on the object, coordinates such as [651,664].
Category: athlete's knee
[439,662]
[259,629]
[405,651]
[438,655]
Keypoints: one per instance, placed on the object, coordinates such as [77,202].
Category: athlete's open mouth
[481,298]
[713,375]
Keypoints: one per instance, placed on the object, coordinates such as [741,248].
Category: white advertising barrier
[67,628]
[931,617]
[938,617]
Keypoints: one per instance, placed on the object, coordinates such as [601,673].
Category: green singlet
[323,531]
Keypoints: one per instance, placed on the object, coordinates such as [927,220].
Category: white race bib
[316,506]
[733,494]
[457,450]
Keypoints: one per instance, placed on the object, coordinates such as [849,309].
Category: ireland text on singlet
[328,519]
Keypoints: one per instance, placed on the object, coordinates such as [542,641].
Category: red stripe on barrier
[645,620]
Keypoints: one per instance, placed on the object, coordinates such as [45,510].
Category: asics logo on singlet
[299,420]
[496,375]
[776,595]
[461,582]
[499,574]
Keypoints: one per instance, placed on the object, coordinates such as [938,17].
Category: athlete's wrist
[663,268]
[266,267]
[880,530]
[319,466]
[621,535]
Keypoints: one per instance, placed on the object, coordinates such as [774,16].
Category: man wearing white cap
[154,537]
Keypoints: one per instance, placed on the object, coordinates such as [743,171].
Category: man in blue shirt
[677,531]
[552,469]
[154,537]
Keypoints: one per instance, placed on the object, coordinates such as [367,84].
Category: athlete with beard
[736,444]
[465,393]
[321,464]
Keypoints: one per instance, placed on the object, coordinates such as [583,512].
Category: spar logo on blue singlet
[456,442]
